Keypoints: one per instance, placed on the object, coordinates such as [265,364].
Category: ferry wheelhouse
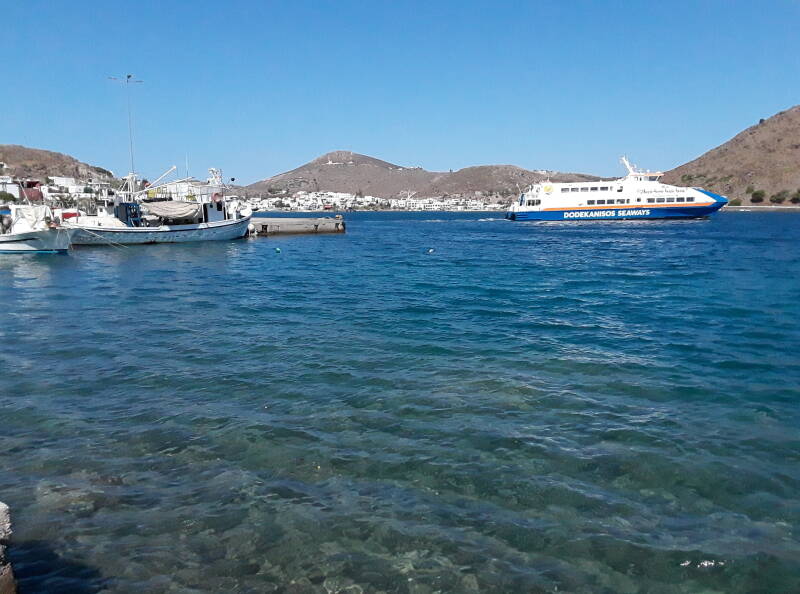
[638,195]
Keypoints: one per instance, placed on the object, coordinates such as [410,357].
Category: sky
[259,87]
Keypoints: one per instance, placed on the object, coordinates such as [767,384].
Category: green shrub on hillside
[7,197]
[735,202]
[779,197]
[758,196]
[795,199]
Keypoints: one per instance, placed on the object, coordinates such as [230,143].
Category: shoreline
[757,208]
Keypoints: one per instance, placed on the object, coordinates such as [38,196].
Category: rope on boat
[108,241]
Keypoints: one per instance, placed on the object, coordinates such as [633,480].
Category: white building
[64,182]
[7,184]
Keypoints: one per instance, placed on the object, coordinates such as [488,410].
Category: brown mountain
[344,171]
[24,162]
[759,165]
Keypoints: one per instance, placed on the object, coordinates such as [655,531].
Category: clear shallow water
[598,407]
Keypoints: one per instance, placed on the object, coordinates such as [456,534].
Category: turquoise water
[582,407]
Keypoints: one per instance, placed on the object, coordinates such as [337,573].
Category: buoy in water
[277,250]
[430,251]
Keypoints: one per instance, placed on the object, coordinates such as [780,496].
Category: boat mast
[128,79]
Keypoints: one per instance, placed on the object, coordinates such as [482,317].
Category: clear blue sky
[260,87]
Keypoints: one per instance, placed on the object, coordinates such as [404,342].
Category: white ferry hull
[216,231]
[617,213]
[49,241]
[638,195]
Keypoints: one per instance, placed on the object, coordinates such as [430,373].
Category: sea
[430,402]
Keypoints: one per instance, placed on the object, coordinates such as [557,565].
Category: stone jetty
[299,225]
[7,583]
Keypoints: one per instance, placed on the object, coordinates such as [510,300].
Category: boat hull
[216,231]
[49,241]
[608,214]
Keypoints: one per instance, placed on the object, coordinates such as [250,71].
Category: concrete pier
[299,225]
[7,583]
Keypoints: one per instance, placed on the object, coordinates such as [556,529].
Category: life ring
[548,189]
[216,197]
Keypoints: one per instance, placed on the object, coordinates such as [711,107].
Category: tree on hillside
[758,196]
[7,197]
[795,199]
[779,197]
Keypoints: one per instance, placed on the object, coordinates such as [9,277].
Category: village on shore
[70,192]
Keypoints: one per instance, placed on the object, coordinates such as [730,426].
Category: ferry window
[653,178]
[590,202]
[565,189]
[660,200]
[628,201]
[601,202]
[538,202]
[690,199]
[651,200]
[584,189]
[621,201]
[573,189]
[680,199]
[619,189]
[593,189]
[603,188]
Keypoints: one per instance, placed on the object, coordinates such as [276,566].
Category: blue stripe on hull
[675,212]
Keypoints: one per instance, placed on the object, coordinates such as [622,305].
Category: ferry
[638,195]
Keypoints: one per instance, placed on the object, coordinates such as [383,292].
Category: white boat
[638,195]
[155,215]
[29,229]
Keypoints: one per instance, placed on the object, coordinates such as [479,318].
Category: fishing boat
[177,211]
[638,195]
[30,229]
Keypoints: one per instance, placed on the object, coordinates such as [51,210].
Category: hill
[344,171]
[24,162]
[759,165]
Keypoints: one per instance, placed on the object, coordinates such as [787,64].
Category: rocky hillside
[343,171]
[760,165]
[24,162]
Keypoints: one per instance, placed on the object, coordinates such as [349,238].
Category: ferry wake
[638,195]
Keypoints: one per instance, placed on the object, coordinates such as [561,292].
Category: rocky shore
[7,583]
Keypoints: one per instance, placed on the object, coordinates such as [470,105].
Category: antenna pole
[130,119]
[128,79]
